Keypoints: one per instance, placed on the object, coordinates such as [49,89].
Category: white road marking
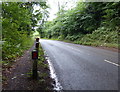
[111,62]
[14,78]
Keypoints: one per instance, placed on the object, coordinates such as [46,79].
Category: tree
[18,22]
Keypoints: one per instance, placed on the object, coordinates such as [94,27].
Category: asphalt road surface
[81,67]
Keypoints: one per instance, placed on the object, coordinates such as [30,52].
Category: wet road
[83,67]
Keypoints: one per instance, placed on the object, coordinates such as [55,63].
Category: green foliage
[18,22]
[87,23]
[102,35]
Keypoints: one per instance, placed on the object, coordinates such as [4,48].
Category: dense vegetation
[91,23]
[18,25]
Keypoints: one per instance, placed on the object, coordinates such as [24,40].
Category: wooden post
[34,70]
[35,74]
[37,45]
[35,58]
[37,39]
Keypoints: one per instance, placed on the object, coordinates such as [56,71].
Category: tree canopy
[84,19]
[18,24]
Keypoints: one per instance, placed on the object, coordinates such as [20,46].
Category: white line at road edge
[111,62]
[57,85]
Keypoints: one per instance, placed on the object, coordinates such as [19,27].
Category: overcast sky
[54,6]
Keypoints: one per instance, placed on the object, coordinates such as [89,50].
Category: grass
[9,59]
[97,44]
[93,43]
[10,53]
[44,82]
[99,38]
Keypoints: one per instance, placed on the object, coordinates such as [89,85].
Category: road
[81,67]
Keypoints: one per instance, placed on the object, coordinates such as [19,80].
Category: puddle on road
[53,75]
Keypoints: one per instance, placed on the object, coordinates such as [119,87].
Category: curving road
[81,67]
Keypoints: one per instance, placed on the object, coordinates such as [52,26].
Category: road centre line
[89,54]
[111,62]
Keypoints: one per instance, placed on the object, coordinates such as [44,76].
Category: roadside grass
[102,37]
[9,59]
[93,43]
[44,81]
[10,54]
[97,44]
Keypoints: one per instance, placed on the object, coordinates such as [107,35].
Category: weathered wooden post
[37,39]
[37,44]
[34,57]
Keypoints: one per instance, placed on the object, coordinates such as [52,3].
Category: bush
[11,51]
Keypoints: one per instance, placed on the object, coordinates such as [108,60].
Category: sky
[54,6]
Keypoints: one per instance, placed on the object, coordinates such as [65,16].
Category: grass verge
[10,60]
[10,55]
[44,81]
[94,43]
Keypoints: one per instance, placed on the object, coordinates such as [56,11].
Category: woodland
[89,23]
